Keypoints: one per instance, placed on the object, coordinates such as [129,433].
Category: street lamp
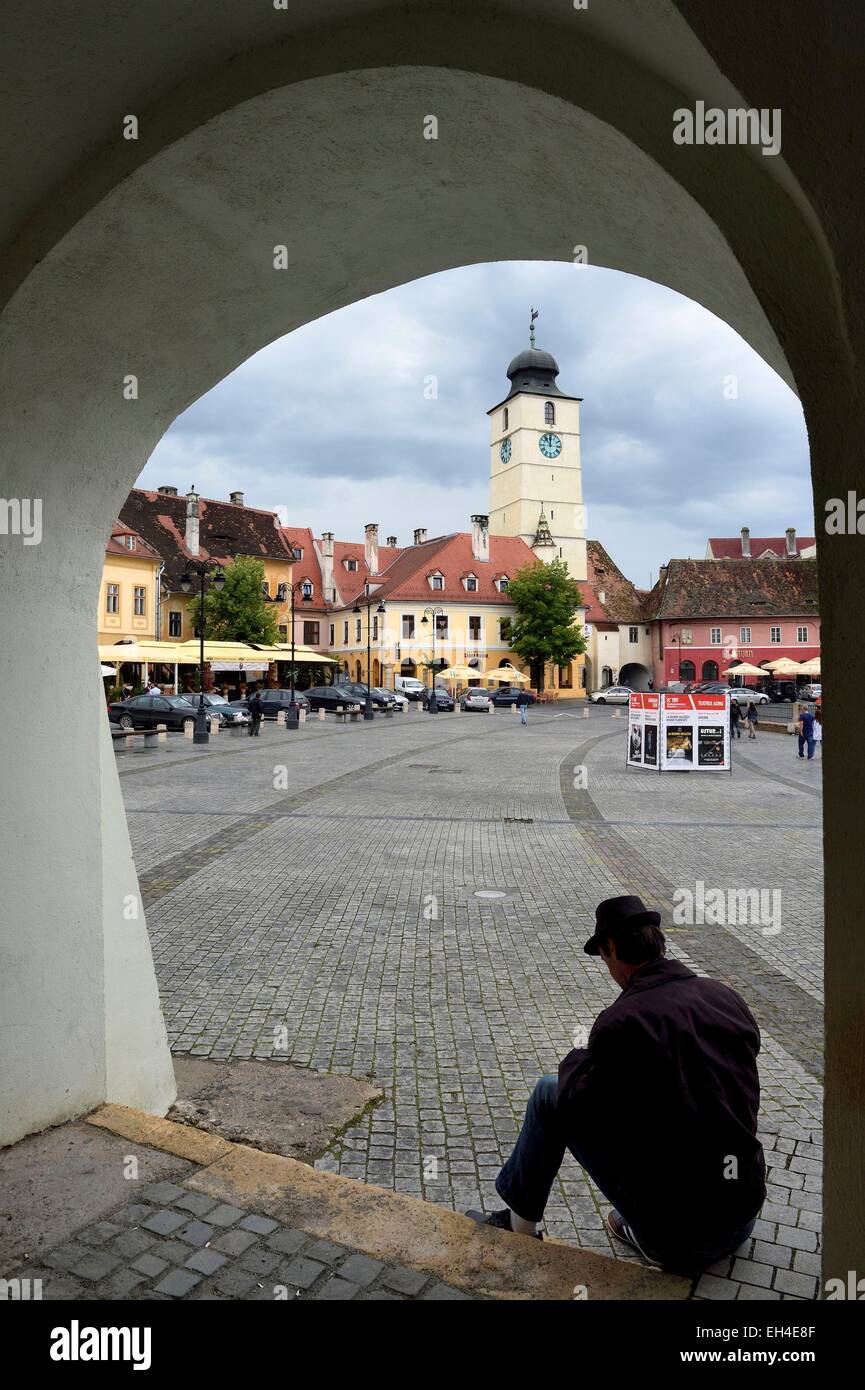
[201,568]
[434,613]
[368,712]
[304,588]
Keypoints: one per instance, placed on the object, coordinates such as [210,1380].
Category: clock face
[550,445]
[505,450]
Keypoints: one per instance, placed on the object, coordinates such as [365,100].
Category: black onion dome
[534,370]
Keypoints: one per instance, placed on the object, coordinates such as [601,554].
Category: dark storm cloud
[668,458]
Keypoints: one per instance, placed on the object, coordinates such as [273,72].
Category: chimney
[746,543]
[236,498]
[327,566]
[370,546]
[480,537]
[791,543]
[392,542]
[420,535]
[167,491]
[192,501]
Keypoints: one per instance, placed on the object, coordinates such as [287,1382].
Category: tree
[240,612]
[546,599]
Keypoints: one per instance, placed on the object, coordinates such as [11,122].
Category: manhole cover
[490,893]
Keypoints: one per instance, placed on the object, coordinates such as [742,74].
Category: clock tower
[536,488]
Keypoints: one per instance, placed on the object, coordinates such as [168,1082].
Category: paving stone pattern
[334,903]
[174,1243]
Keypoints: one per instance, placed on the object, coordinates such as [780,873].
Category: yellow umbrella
[811,668]
[458,673]
[785,666]
[509,674]
[744,669]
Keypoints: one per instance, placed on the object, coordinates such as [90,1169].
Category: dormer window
[549,413]
[306,589]
[350,564]
[298,552]
[503,583]
[130,542]
[471,583]
[436,581]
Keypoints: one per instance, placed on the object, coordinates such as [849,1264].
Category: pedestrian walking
[752,720]
[523,702]
[806,733]
[255,709]
[818,727]
[735,717]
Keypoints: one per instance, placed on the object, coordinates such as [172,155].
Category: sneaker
[622,1231]
[500,1220]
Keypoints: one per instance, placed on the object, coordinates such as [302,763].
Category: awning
[188,653]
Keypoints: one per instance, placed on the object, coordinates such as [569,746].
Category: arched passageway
[139,272]
[635,676]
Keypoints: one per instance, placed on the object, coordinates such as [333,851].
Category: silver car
[475,698]
[611,695]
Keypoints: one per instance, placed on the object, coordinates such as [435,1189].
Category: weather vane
[532,326]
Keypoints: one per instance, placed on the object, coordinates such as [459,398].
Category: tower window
[505,418]
[549,413]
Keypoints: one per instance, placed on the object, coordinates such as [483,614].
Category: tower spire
[532,326]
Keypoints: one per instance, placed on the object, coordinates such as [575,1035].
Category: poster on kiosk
[679,733]
[695,733]
[643,709]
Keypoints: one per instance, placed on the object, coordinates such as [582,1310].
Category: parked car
[331,697]
[410,686]
[231,714]
[380,698]
[442,698]
[146,711]
[272,701]
[811,692]
[475,698]
[611,695]
[509,694]
[742,694]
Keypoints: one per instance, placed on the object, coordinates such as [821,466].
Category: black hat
[616,918]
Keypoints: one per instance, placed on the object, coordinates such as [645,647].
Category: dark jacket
[665,1098]
[524,698]
[255,706]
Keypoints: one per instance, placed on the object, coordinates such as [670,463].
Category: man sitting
[660,1107]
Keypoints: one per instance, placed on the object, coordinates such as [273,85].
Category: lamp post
[434,613]
[302,587]
[368,712]
[201,569]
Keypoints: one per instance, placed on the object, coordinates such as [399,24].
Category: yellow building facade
[129,592]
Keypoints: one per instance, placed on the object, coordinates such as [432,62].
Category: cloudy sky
[333,422]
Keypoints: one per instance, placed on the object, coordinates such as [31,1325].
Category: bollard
[213,721]
[491,708]
[513,707]
[238,730]
[280,716]
[162,733]
[321,716]
[302,715]
[189,728]
[129,740]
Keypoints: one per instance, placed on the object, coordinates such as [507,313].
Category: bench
[151,737]
[342,713]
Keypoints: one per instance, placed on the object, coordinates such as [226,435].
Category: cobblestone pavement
[176,1243]
[323,886]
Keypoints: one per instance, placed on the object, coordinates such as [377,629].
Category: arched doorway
[606,676]
[687,671]
[634,675]
[710,671]
[113,261]
[407,667]
[376,672]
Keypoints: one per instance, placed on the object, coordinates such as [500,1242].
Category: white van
[409,686]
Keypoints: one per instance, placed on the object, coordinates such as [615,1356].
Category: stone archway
[634,675]
[139,272]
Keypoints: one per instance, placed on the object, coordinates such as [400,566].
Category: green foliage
[543,630]
[240,613]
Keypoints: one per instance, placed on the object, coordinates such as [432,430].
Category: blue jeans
[525,1181]
[524,714]
[810,742]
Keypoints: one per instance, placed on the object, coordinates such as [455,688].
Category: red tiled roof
[733,588]
[730,547]
[117,543]
[309,569]
[622,603]
[161,520]
[451,556]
